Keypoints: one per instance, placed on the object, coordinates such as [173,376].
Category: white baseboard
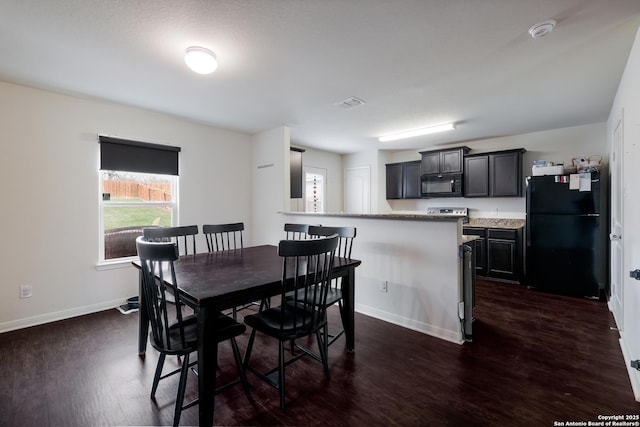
[634,374]
[434,331]
[58,315]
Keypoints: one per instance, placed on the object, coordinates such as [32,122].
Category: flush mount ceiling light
[201,60]
[542,29]
[417,132]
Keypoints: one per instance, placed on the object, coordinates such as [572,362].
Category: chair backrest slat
[173,234]
[224,237]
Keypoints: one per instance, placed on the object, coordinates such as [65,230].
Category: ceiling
[291,62]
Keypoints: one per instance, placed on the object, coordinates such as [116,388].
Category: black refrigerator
[565,247]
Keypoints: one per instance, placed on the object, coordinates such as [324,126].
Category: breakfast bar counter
[411,272]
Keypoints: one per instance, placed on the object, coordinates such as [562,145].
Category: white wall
[49,192]
[270,166]
[627,105]
[558,145]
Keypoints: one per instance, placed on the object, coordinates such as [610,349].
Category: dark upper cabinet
[403,180]
[443,161]
[496,174]
[411,180]
[296,172]
[394,181]
[476,176]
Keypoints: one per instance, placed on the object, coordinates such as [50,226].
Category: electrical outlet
[26,291]
[384,286]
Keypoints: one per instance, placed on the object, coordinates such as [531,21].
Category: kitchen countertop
[396,216]
[495,223]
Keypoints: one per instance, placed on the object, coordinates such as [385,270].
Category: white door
[357,190]
[616,303]
[631,239]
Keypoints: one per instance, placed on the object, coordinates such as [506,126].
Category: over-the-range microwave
[449,185]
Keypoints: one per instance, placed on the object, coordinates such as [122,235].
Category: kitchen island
[411,273]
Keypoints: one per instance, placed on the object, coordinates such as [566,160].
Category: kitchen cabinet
[480,248]
[295,157]
[495,174]
[403,180]
[443,161]
[499,253]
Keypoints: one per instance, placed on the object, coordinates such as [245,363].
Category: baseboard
[434,331]
[634,374]
[58,315]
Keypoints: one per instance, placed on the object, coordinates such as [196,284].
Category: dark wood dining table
[212,282]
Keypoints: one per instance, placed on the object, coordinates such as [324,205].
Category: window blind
[135,156]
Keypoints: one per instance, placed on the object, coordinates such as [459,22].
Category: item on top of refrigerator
[582,163]
[548,168]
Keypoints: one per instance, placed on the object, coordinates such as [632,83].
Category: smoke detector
[542,29]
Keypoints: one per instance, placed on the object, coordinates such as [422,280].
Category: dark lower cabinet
[499,253]
[480,248]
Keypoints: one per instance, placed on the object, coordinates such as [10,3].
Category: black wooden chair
[306,270]
[171,333]
[296,231]
[227,237]
[181,235]
[346,236]
[224,237]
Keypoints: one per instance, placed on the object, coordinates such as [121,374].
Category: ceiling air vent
[349,103]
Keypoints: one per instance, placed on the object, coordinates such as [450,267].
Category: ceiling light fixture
[201,60]
[417,132]
[542,29]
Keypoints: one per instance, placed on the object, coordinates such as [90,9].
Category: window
[314,189]
[138,188]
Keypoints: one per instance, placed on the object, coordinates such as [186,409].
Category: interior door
[616,301]
[357,190]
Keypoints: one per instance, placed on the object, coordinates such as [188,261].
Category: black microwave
[441,185]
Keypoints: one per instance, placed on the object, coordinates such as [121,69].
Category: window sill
[111,265]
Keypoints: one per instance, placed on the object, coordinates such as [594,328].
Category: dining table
[215,281]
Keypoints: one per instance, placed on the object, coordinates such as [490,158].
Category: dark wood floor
[536,358]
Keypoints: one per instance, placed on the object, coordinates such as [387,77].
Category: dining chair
[224,237]
[345,243]
[296,231]
[172,333]
[182,234]
[306,269]
[228,237]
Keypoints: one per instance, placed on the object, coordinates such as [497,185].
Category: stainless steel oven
[441,185]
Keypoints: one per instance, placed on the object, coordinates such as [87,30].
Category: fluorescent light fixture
[417,132]
[201,60]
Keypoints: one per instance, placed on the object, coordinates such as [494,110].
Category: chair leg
[156,378]
[181,388]
[324,350]
[247,353]
[236,355]
[281,373]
